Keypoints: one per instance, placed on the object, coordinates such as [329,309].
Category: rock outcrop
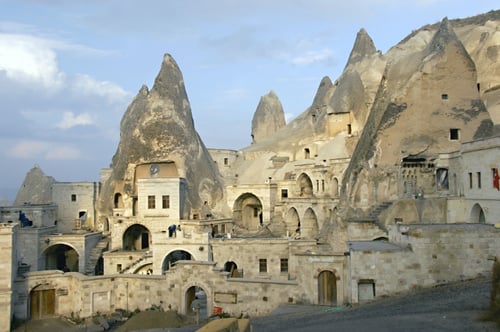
[36,188]
[158,127]
[438,82]
[268,118]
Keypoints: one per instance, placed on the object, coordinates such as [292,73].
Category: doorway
[42,303]
[327,288]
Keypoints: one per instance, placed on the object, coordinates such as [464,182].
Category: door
[42,303]
[327,288]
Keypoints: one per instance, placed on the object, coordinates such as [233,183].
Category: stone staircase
[95,254]
[147,255]
[375,213]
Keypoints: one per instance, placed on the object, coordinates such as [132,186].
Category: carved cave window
[165,199]
[151,202]
[262,265]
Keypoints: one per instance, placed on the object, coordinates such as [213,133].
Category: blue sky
[69,69]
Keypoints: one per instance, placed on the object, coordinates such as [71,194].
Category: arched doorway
[309,224]
[335,187]
[292,222]
[136,237]
[61,257]
[174,256]
[247,211]
[42,302]
[327,288]
[196,300]
[232,268]
[118,201]
[477,214]
[305,186]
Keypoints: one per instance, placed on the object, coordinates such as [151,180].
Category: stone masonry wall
[435,254]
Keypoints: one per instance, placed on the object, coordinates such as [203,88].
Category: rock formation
[158,127]
[438,82]
[36,188]
[268,118]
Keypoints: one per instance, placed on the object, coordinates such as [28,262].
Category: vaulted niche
[136,237]
[305,185]
[247,211]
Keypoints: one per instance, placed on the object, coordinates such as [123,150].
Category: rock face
[438,82]
[36,188]
[268,118]
[158,127]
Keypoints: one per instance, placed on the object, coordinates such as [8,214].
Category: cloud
[30,60]
[29,149]
[312,57]
[70,120]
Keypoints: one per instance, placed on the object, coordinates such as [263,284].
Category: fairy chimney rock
[158,127]
[268,118]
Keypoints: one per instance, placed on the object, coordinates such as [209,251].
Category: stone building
[384,184]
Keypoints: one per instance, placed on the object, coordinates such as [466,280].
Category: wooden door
[42,303]
[327,288]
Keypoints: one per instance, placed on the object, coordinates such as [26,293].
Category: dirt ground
[141,321]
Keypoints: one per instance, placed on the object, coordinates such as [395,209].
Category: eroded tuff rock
[36,188]
[158,127]
[363,47]
[268,118]
[438,82]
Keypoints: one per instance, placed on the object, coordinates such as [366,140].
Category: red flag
[496,180]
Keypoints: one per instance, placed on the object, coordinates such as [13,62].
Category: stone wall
[431,254]
[74,199]
[7,269]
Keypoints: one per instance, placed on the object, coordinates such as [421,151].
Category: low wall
[433,254]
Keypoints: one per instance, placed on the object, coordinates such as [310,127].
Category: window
[284,193]
[349,129]
[478,179]
[262,265]
[165,201]
[470,180]
[322,185]
[151,202]
[284,265]
[226,161]
[317,185]
[496,178]
[73,197]
[454,134]
[307,153]
[444,96]
[118,267]
[255,212]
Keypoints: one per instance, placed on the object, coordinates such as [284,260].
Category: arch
[247,210]
[42,302]
[327,288]
[335,187]
[144,269]
[174,256]
[232,268]
[292,222]
[477,214]
[118,201]
[305,185]
[195,298]
[309,226]
[136,237]
[62,257]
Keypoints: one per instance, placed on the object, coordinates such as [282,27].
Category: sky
[70,68]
